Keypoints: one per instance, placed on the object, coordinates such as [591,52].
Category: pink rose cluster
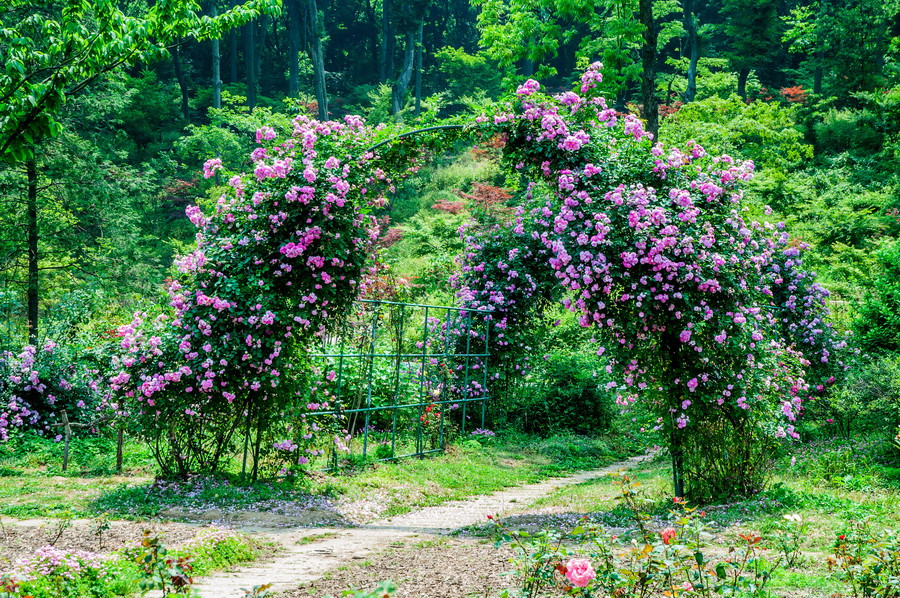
[663,260]
[280,256]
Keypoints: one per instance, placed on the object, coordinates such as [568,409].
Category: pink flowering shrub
[41,381]
[280,257]
[53,573]
[705,317]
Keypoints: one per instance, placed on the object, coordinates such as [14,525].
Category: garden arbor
[648,245]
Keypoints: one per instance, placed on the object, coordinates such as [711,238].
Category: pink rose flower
[579,572]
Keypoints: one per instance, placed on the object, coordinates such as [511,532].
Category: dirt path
[308,554]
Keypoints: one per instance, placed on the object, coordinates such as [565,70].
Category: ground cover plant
[141,565]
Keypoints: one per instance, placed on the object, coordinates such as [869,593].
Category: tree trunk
[120,447]
[232,51]
[419,56]
[293,8]
[182,84]
[67,439]
[216,64]
[690,27]
[648,64]
[373,32]
[402,82]
[677,452]
[317,58]
[742,82]
[250,62]
[261,44]
[387,42]
[820,48]
[32,224]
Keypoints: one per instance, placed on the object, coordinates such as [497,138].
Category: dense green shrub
[463,74]
[869,401]
[847,130]
[764,132]
[566,394]
[878,325]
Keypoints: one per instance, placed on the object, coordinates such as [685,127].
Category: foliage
[878,325]
[170,575]
[464,74]
[145,566]
[868,563]
[870,400]
[54,573]
[565,395]
[764,132]
[214,549]
[55,50]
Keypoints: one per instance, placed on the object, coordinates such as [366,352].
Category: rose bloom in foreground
[579,572]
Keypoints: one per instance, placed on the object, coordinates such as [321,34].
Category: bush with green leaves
[878,324]
[869,400]
[643,560]
[764,132]
[566,393]
[463,74]
[41,383]
[867,562]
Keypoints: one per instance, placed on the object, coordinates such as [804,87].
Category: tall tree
[55,49]
[233,51]
[316,55]
[648,67]
[293,9]
[250,62]
[216,62]
[692,47]
[753,34]
[420,50]
[398,92]
[182,84]
[387,41]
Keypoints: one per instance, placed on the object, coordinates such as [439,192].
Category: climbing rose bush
[280,257]
[704,316]
[41,381]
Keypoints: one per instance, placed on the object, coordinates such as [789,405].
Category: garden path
[308,554]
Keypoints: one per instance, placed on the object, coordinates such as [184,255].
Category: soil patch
[20,539]
[430,568]
[256,518]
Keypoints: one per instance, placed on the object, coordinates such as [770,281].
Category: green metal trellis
[407,377]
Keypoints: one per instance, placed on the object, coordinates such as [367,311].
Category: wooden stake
[67,436]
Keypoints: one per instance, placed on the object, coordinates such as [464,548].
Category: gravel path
[308,554]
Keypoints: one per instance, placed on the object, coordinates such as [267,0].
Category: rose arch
[706,318]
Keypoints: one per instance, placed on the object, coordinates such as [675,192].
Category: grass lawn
[33,485]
